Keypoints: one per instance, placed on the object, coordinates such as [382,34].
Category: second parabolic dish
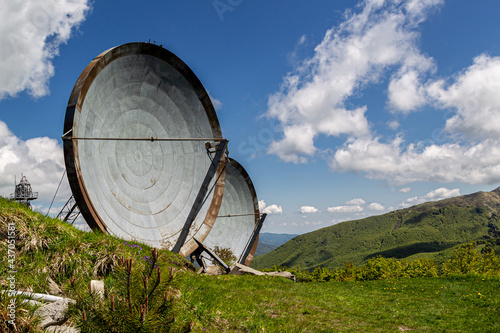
[136,129]
[238,215]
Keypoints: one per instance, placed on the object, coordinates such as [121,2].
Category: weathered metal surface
[238,214]
[141,189]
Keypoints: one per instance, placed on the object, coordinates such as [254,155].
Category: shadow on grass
[406,251]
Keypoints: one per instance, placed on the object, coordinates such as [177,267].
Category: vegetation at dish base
[225,254]
[49,248]
[429,230]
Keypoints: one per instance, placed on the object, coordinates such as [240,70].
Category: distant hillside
[427,230]
[269,241]
[263,248]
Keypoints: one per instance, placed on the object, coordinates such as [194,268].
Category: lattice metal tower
[23,192]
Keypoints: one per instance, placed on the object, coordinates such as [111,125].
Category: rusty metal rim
[77,99]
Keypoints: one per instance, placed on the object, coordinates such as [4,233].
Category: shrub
[467,260]
[138,301]
[323,274]
[421,268]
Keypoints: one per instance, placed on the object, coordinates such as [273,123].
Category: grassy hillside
[50,248]
[47,247]
[429,230]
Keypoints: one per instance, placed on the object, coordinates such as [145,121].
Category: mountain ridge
[426,230]
[489,199]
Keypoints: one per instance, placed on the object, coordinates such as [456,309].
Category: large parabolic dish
[238,214]
[135,134]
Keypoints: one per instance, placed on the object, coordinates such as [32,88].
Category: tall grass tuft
[16,316]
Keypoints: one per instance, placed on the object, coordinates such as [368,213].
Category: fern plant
[138,301]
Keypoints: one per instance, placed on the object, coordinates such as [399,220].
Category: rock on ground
[239,269]
[53,314]
[62,329]
[98,286]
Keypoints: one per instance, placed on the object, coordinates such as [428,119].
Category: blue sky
[337,110]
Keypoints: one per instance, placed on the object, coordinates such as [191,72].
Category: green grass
[264,304]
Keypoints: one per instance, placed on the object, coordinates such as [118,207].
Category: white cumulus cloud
[380,40]
[394,125]
[262,205]
[376,207]
[399,164]
[406,92]
[31,32]
[41,160]
[405,190]
[475,95]
[308,210]
[271,209]
[435,195]
[345,209]
[311,100]
[357,201]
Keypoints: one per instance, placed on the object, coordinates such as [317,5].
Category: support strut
[200,199]
[70,212]
[252,240]
[197,255]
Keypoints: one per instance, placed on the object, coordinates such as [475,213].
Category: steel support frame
[68,211]
[252,239]
[197,255]
[200,199]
